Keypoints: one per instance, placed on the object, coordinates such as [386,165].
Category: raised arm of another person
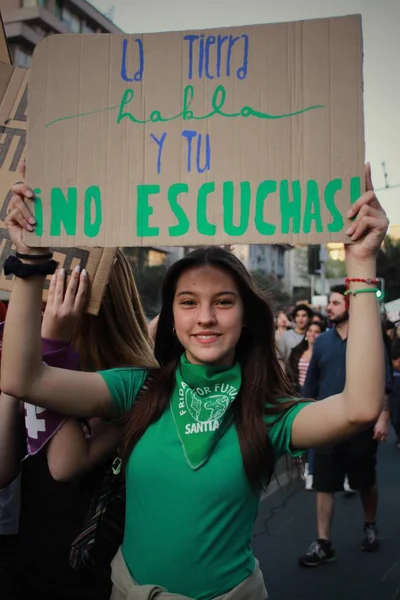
[23,373]
[361,402]
[71,452]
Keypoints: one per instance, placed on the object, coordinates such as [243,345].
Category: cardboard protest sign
[13,119]
[241,135]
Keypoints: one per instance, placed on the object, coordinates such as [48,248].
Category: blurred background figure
[390,330]
[298,363]
[301,315]
[282,324]
[394,397]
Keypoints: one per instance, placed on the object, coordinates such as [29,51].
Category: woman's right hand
[20,217]
[64,305]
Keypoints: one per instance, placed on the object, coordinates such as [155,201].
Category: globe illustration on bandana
[207,408]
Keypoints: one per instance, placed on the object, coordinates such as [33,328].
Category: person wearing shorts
[354,458]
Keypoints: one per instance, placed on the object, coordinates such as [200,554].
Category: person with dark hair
[390,330]
[394,397]
[301,315]
[63,467]
[300,356]
[319,318]
[355,457]
[298,363]
[201,442]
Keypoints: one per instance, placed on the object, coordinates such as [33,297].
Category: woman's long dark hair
[295,356]
[263,381]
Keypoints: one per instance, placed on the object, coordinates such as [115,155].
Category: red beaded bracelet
[348,280]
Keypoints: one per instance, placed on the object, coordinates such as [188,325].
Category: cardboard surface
[13,119]
[243,135]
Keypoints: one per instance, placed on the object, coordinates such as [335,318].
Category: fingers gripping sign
[370,223]
[20,216]
[65,304]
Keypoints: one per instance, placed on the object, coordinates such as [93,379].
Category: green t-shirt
[188,531]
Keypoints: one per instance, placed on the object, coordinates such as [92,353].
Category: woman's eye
[225,302]
[187,303]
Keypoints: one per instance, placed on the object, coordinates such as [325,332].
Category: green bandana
[199,404]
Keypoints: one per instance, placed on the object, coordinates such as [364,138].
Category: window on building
[88,28]
[58,8]
[32,3]
[22,58]
[70,19]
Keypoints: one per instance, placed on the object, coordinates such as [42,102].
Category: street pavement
[285,527]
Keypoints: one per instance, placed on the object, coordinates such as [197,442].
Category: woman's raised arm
[23,374]
[361,401]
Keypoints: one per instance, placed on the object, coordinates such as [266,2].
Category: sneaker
[370,541]
[309,482]
[347,488]
[319,552]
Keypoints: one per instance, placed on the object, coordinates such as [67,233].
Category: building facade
[27,22]
[268,259]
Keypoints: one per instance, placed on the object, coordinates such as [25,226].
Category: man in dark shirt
[355,457]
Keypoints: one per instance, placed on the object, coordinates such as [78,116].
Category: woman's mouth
[206,338]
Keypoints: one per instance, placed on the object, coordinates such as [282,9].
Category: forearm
[21,360]
[365,369]
[10,455]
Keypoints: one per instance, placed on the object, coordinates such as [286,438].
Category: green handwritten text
[218,100]
[269,208]
[186,114]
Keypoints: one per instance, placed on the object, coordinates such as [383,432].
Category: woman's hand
[64,307]
[20,217]
[370,224]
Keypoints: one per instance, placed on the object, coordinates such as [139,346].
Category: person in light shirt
[301,315]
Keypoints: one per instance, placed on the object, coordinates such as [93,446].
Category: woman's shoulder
[125,383]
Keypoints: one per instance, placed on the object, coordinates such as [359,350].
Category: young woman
[200,445]
[52,513]
[299,361]
[282,324]
[301,354]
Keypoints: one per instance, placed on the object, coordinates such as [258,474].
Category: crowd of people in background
[296,331]
[315,364]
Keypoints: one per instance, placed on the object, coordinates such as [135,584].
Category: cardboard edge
[104,266]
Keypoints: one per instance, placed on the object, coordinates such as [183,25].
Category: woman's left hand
[370,225]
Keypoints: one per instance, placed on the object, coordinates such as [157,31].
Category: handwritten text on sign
[214,159]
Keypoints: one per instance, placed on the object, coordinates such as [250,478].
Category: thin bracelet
[362,291]
[46,256]
[369,280]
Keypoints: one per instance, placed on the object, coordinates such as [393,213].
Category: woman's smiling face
[208,315]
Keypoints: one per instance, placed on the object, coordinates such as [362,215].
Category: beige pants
[125,588]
